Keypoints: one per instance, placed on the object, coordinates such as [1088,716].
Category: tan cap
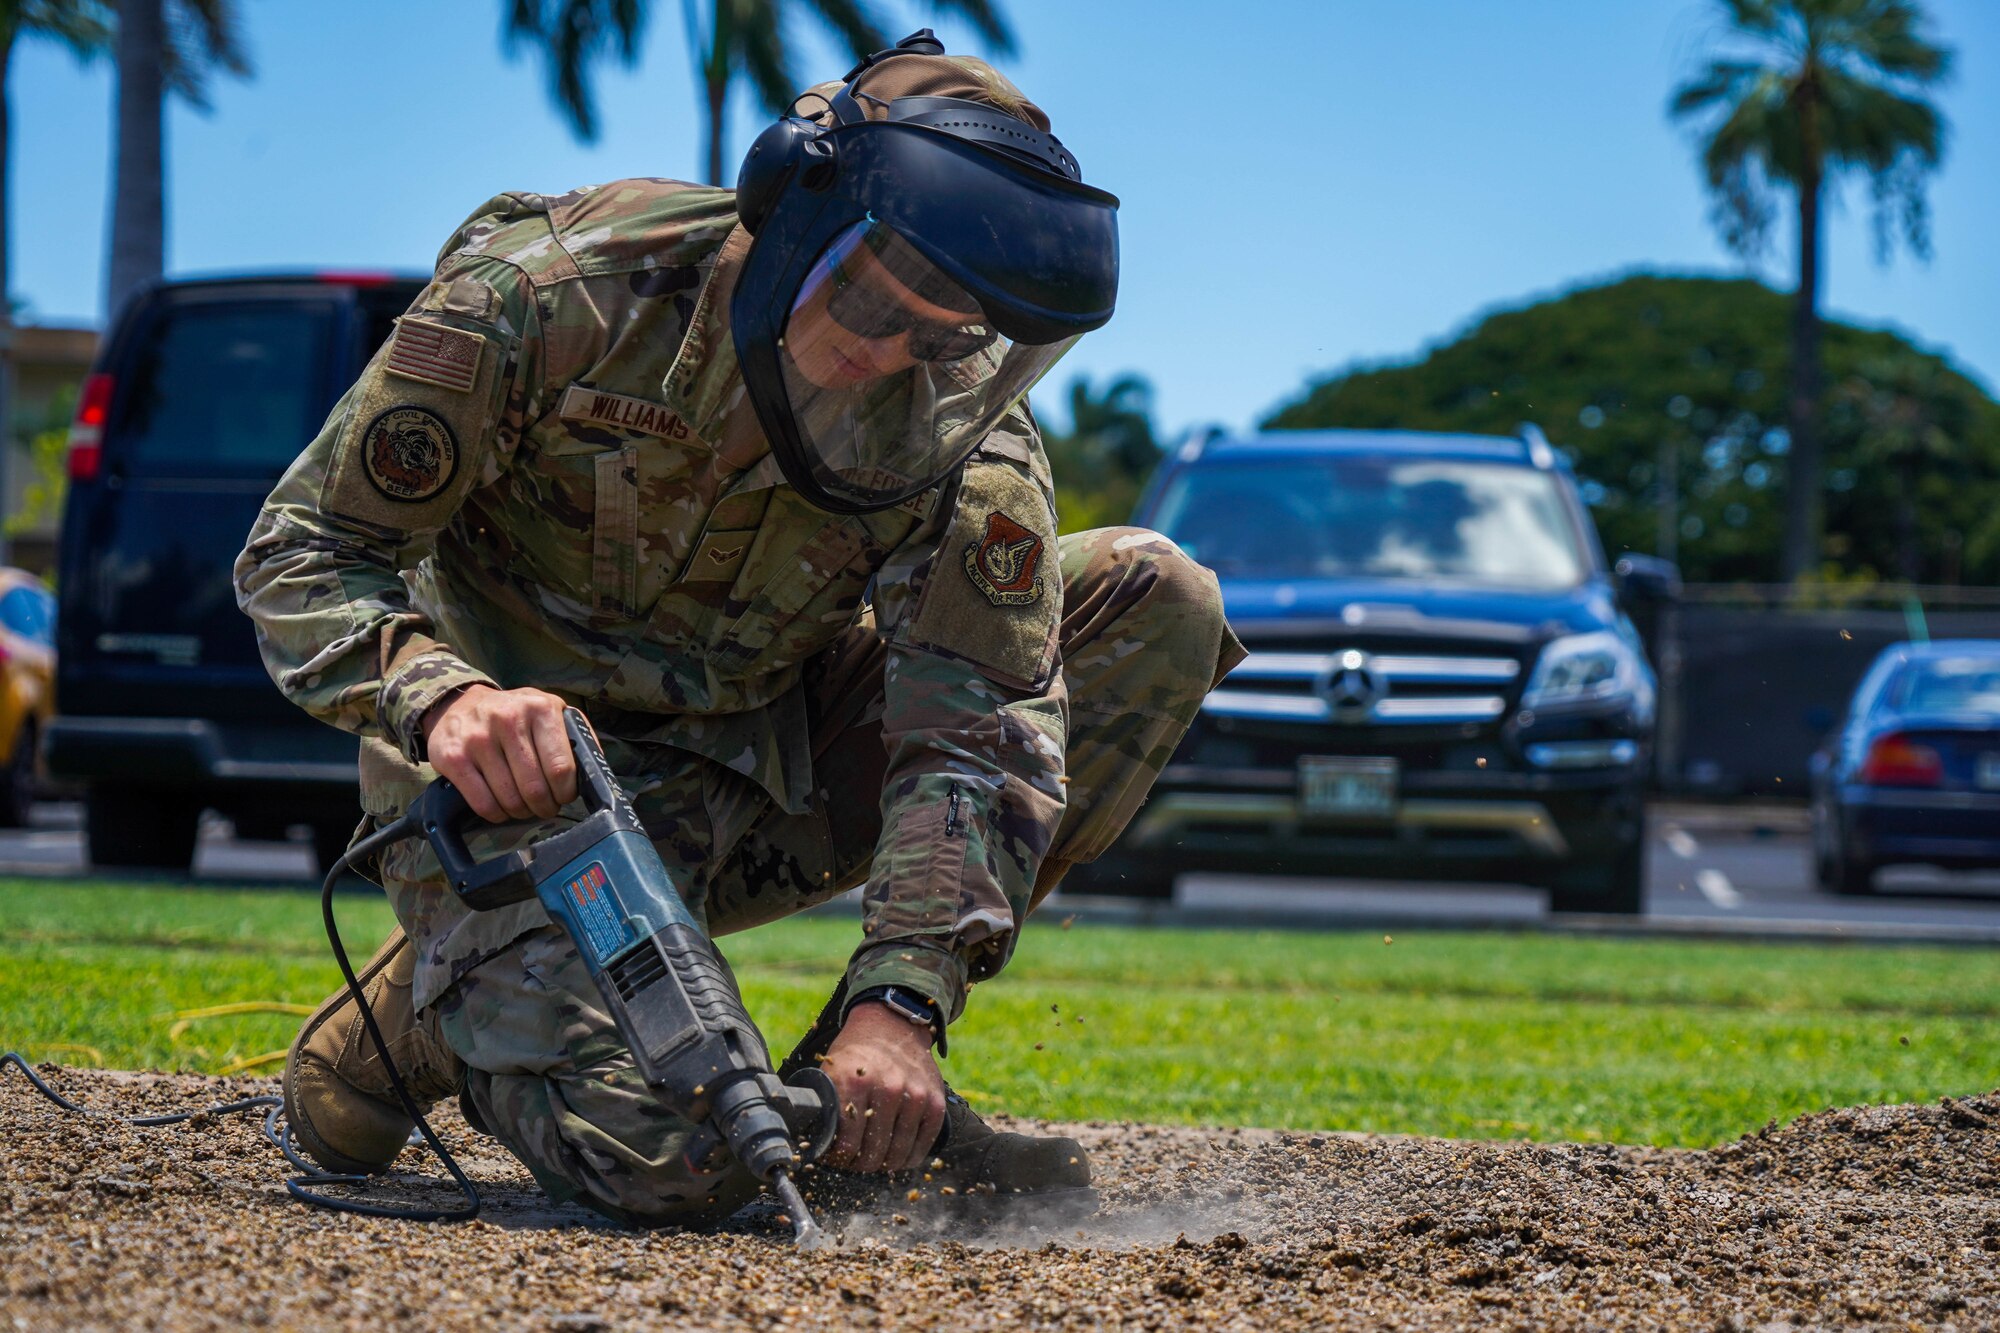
[965,77]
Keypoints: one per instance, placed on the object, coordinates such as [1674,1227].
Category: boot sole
[317,1148]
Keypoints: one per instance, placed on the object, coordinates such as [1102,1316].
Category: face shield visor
[886,322]
[892,372]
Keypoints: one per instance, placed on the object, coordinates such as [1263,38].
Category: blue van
[202,394]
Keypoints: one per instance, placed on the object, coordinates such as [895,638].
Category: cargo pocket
[589,494]
[918,881]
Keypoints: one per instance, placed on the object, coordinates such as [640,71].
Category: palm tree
[84,26]
[163,46]
[1102,462]
[1825,89]
[725,38]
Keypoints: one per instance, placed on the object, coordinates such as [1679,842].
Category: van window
[225,387]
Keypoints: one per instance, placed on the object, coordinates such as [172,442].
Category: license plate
[1989,769]
[1336,787]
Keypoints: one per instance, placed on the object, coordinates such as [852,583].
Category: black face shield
[906,286]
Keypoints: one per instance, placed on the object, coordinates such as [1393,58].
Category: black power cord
[306,1185]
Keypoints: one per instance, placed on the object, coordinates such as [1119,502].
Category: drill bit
[804,1230]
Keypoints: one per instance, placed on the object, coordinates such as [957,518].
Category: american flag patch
[435,354]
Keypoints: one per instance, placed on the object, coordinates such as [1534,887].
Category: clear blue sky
[1305,184]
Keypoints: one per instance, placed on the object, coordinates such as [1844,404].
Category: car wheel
[17,780]
[1115,876]
[140,827]
[1841,873]
[1614,884]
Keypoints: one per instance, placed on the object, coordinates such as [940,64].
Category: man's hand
[891,1093]
[506,750]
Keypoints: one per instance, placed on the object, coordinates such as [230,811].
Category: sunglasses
[865,311]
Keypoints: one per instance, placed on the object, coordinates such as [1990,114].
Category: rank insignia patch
[410,453]
[434,354]
[1005,564]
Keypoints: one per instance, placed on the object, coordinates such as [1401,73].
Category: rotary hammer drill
[663,982]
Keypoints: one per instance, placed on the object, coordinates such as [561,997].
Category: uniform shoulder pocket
[993,596]
[417,425]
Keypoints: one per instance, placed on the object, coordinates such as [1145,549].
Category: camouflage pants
[1142,642]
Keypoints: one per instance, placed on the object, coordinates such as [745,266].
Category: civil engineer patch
[1005,563]
[410,453]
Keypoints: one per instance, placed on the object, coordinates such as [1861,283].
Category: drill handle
[444,815]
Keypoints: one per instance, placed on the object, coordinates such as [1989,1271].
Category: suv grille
[1356,687]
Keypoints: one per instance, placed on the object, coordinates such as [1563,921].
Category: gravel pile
[1875,1216]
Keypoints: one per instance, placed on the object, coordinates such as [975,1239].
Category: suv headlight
[1588,668]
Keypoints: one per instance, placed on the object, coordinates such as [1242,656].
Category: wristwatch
[918,1009]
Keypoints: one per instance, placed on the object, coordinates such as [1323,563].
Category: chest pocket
[790,598]
[585,495]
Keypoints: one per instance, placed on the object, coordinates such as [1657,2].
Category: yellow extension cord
[185,1017]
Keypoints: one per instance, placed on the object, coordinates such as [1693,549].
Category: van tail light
[86,433]
[355,278]
[1894,761]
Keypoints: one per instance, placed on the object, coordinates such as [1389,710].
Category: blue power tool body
[665,986]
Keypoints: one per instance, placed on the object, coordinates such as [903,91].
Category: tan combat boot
[338,1097]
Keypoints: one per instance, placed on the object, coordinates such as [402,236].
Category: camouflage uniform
[549,477]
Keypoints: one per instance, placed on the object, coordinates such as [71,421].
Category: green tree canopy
[1690,372]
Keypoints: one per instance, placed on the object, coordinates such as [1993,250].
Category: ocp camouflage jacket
[549,476]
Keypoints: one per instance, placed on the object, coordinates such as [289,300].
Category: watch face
[912,1007]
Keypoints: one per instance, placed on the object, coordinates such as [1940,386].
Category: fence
[1753,678]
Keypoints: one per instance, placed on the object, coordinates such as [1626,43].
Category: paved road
[1709,870]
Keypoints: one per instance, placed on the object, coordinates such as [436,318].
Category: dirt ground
[1875,1216]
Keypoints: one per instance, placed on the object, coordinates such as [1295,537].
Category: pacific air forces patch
[1005,564]
[410,453]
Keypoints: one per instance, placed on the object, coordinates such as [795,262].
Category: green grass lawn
[1471,1035]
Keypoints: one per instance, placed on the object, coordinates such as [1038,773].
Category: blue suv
[1443,681]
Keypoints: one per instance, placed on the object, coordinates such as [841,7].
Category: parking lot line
[1680,842]
[1715,886]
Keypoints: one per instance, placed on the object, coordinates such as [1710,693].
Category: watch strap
[920,1010]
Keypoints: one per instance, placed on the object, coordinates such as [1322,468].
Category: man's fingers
[928,1128]
[914,1135]
[847,1142]
[558,762]
[476,793]
[489,762]
[524,767]
[877,1131]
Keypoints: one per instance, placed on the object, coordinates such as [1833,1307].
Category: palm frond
[1722,81]
[986,19]
[201,36]
[571,36]
[762,52]
[84,26]
[859,30]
